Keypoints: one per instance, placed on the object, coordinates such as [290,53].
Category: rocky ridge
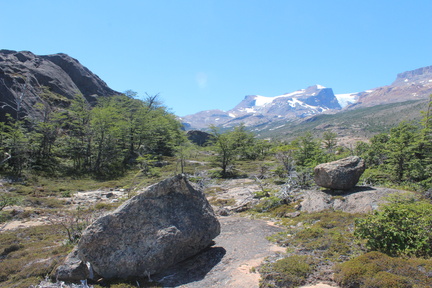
[409,85]
[24,75]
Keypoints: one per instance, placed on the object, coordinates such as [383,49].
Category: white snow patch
[277,127]
[263,100]
[345,99]
[320,86]
[232,115]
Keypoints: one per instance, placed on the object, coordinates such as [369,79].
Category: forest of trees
[104,140]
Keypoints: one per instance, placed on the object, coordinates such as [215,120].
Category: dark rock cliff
[24,76]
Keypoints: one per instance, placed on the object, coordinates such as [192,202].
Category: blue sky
[209,54]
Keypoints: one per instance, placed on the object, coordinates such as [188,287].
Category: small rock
[73,269]
[292,214]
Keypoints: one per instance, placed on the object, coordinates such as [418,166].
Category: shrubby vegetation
[375,269]
[403,156]
[402,227]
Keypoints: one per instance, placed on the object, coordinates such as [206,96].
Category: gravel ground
[241,246]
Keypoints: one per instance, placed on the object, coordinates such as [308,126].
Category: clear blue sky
[209,54]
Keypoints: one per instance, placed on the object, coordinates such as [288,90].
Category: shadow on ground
[192,269]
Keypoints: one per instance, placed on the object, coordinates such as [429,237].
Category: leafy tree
[106,125]
[329,141]
[308,153]
[78,138]
[231,146]
[285,155]
[17,145]
[400,149]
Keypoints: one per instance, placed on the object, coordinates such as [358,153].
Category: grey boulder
[342,174]
[163,225]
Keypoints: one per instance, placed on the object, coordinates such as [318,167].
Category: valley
[73,150]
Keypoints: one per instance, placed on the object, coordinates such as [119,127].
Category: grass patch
[28,255]
[329,233]
[222,202]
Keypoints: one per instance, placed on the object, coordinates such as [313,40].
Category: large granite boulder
[165,224]
[341,174]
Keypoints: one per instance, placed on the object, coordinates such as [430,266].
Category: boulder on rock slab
[342,174]
[165,224]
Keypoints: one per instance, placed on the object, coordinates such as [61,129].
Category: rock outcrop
[24,75]
[409,85]
[341,174]
[200,138]
[356,200]
[165,224]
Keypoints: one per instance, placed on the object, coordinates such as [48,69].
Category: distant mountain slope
[23,76]
[349,125]
[257,110]
[410,85]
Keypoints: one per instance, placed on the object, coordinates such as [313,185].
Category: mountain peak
[258,110]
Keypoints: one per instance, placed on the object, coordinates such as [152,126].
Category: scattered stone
[165,224]
[292,214]
[339,175]
[223,211]
[73,269]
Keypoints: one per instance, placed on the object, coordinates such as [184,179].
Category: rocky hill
[257,110]
[25,77]
[410,85]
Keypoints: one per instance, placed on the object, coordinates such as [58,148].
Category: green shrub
[375,269]
[402,227]
[291,271]
[268,203]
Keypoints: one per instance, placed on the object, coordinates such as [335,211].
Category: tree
[329,141]
[78,138]
[308,153]
[230,146]
[400,149]
[285,155]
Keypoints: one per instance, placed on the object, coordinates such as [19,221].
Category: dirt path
[241,246]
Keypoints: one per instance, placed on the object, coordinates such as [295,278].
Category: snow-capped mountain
[257,110]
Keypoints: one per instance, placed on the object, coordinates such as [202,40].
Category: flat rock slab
[241,245]
[356,200]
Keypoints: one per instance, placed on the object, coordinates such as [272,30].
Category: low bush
[402,227]
[291,271]
[375,269]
